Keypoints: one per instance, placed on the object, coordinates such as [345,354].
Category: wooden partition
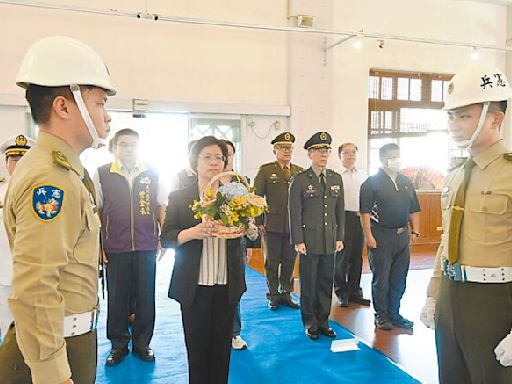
[430,217]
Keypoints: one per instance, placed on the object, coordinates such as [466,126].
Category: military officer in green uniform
[470,295]
[317,222]
[51,219]
[272,182]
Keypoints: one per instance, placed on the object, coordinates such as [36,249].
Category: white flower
[233,190]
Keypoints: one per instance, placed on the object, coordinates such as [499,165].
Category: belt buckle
[94,320]
[453,271]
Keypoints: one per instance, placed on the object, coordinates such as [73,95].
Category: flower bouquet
[232,208]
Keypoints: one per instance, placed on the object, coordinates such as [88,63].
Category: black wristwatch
[417,234]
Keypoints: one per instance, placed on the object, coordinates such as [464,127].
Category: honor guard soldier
[13,149]
[317,222]
[272,182]
[51,219]
[469,297]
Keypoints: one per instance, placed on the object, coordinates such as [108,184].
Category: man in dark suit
[272,182]
[317,219]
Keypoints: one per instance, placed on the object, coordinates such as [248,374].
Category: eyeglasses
[284,149]
[128,145]
[210,158]
[323,151]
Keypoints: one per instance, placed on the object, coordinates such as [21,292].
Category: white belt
[463,273]
[487,275]
[79,324]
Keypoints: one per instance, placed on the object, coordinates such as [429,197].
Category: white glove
[503,351]
[428,313]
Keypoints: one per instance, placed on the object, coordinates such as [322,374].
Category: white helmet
[59,61]
[474,85]
[477,84]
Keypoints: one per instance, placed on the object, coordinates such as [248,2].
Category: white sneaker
[238,343]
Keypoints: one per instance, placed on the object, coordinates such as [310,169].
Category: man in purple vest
[132,202]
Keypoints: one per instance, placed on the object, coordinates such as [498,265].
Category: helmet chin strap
[468,143]
[96,140]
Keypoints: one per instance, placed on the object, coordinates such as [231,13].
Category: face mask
[394,164]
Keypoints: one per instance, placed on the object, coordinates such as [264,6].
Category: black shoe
[359,300]
[342,301]
[401,322]
[273,304]
[145,354]
[116,356]
[312,333]
[383,322]
[287,300]
[329,332]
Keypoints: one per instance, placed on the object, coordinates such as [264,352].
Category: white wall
[193,63]
[162,60]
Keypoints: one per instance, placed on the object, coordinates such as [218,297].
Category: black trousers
[81,350]
[389,263]
[126,272]
[348,263]
[471,320]
[208,326]
[280,258]
[316,276]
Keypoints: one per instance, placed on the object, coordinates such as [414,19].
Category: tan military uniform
[55,250]
[486,232]
[272,183]
[471,317]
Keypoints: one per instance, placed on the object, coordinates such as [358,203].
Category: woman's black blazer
[185,274]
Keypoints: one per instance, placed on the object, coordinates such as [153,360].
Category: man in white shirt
[13,149]
[348,262]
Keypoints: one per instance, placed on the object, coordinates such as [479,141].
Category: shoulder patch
[47,201]
[508,156]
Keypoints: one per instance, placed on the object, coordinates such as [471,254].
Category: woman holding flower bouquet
[208,277]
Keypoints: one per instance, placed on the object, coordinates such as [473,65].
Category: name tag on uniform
[335,188]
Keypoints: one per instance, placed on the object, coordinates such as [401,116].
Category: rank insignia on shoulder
[47,201]
[508,156]
[60,160]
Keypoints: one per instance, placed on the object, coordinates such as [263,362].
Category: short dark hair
[125,132]
[40,100]
[204,142]
[501,106]
[387,148]
[230,143]
[340,148]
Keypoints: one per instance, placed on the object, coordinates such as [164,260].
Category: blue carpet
[279,352]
